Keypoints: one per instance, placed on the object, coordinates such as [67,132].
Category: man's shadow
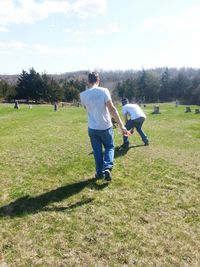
[119,151]
[32,205]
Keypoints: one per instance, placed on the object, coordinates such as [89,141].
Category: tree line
[153,85]
[32,86]
[149,86]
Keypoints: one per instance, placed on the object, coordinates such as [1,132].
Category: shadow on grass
[31,205]
[119,151]
[75,205]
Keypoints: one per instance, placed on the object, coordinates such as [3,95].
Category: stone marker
[187,109]
[16,105]
[156,110]
[55,106]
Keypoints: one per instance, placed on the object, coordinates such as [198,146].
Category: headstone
[30,106]
[197,111]
[187,109]
[176,103]
[16,105]
[55,106]
[156,110]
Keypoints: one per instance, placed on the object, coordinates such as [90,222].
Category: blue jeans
[137,123]
[100,139]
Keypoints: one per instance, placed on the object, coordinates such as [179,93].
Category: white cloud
[31,11]
[3,29]
[187,19]
[81,40]
[87,8]
[114,27]
[44,50]
[67,30]
[41,49]
[17,45]
[181,38]
[101,32]
[81,36]
[111,28]
[12,46]
[80,33]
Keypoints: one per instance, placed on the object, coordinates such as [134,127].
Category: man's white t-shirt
[133,111]
[94,99]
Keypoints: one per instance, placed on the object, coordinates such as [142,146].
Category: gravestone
[156,110]
[16,105]
[55,106]
[187,109]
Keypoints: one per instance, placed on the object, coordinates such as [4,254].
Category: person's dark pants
[137,124]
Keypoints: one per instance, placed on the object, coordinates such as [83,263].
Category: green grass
[53,213]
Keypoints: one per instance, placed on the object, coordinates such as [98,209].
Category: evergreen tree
[70,92]
[51,90]
[194,97]
[120,89]
[180,86]
[7,91]
[29,86]
[165,86]
[141,84]
[22,88]
[35,84]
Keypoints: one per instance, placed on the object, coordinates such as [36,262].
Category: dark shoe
[108,176]
[99,176]
[146,143]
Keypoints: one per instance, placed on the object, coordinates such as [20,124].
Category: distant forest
[152,85]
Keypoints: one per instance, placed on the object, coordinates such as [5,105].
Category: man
[98,103]
[134,118]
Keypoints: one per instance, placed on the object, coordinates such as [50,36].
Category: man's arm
[125,118]
[114,113]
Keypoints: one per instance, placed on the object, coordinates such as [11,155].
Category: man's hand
[125,132]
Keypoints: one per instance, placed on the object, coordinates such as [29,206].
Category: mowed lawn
[53,213]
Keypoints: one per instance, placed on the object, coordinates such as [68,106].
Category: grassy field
[53,213]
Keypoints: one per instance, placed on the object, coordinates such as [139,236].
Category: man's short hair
[93,77]
[124,101]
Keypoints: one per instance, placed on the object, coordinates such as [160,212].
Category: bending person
[134,118]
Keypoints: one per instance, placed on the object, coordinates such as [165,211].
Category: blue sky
[57,36]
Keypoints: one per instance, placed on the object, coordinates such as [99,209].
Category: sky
[58,36]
